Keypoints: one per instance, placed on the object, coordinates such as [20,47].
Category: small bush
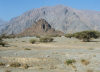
[2,42]
[27,49]
[69,35]
[15,64]
[85,62]
[23,41]
[70,61]
[8,71]
[89,70]
[2,64]
[38,36]
[25,66]
[32,41]
[46,39]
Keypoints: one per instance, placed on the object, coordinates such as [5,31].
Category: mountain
[41,27]
[2,22]
[2,25]
[65,19]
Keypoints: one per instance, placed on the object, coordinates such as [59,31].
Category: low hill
[41,27]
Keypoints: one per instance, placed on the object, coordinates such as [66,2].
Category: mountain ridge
[62,18]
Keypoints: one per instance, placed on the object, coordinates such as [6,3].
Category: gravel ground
[51,57]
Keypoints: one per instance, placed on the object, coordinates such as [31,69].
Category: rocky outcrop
[41,27]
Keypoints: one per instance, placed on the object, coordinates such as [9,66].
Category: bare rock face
[41,27]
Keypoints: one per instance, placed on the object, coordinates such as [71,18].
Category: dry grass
[54,49]
[89,70]
[27,49]
[2,64]
[25,66]
[85,62]
[15,64]
[7,70]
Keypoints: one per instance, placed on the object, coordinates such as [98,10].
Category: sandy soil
[51,57]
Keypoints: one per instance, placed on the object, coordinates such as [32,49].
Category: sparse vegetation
[8,71]
[46,39]
[27,49]
[2,64]
[86,36]
[34,52]
[38,36]
[55,35]
[11,36]
[89,70]
[68,35]
[23,41]
[85,62]
[15,64]
[32,41]
[70,61]
[25,66]
[2,42]
[4,36]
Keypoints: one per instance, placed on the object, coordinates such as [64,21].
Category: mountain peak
[59,17]
[41,27]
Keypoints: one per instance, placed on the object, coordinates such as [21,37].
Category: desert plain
[50,57]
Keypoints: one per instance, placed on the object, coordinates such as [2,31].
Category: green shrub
[2,64]
[27,49]
[86,36]
[68,35]
[15,64]
[46,39]
[70,61]
[2,42]
[32,41]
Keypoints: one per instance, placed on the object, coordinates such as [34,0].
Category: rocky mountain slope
[2,25]
[41,27]
[65,19]
[2,22]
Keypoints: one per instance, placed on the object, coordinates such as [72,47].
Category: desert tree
[86,36]
[69,35]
